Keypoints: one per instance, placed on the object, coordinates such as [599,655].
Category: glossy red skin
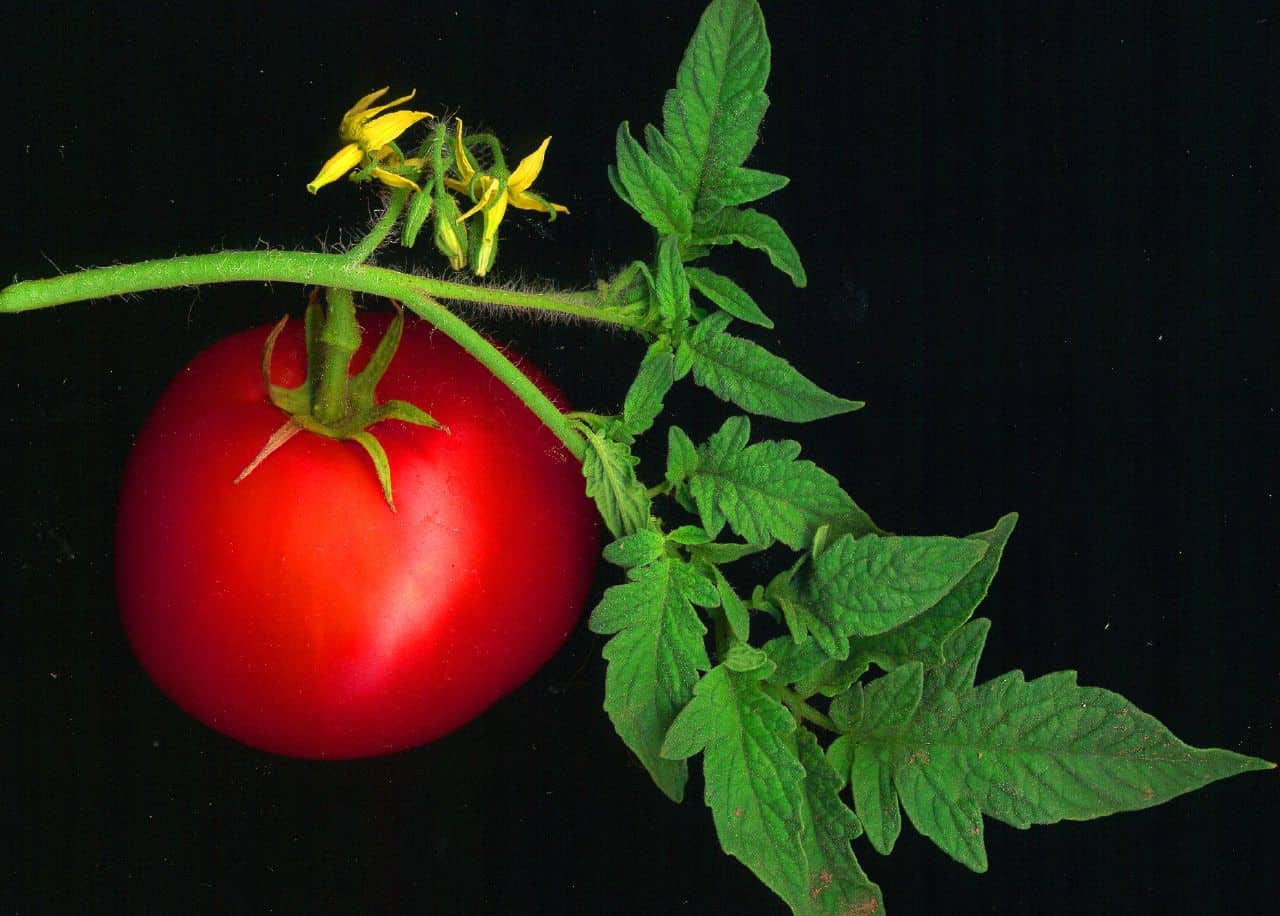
[294,611]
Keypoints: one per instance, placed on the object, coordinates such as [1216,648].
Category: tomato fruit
[294,611]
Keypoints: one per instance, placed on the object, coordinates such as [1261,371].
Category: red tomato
[295,611]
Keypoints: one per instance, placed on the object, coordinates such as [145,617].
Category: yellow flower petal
[493,216]
[460,158]
[522,178]
[488,188]
[360,107]
[341,162]
[381,131]
[391,179]
[523,201]
[372,112]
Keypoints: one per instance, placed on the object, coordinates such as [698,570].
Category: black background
[1041,244]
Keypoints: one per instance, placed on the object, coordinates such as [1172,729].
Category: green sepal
[380,463]
[416,217]
[406,413]
[362,385]
[330,402]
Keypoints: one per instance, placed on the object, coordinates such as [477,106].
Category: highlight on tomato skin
[294,611]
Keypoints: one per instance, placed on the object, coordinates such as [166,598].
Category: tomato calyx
[332,402]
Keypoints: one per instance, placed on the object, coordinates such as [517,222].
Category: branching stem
[308,268]
[335,271]
[381,229]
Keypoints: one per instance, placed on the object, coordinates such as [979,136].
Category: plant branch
[502,368]
[316,269]
[309,268]
[378,234]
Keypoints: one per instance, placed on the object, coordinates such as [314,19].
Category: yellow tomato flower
[492,196]
[367,137]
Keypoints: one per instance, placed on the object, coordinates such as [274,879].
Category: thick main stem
[324,270]
[309,268]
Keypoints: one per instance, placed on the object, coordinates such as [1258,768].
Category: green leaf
[666,156]
[735,612]
[761,490]
[637,549]
[688,535]
[961,652]
[836,882]
[727,295]
[672,286]
[868,585]
[654,659]
[610,470]
[754,781]
[649,189]
[737,185]
[753,229]
[848,709]
[644,398]
[886,703]
[811,670]
[748,375]
[874,797]
[852,521]
[890,701]
[619,189]
[742,657]
[725,553]
[682,456]
[1028,753]
[712,116]
[921,639]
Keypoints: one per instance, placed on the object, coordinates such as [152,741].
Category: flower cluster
[371,153]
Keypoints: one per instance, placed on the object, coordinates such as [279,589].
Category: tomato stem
[378,234]
[420,294]
[502,368]
[339,339]
[308,268]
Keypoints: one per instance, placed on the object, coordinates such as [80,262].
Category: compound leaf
[654,659]
[748,375]
[644,398]
[836,882]
[869,585]
[1024,752]
[648,188]
[754,781]
[752,229]
[712,116]
[761,490]
[610,470]
[728,295]
[921,639]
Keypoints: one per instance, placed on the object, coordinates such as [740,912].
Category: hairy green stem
[339,340]
[310,268]
[369,244]
[502,368]
[331,271]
